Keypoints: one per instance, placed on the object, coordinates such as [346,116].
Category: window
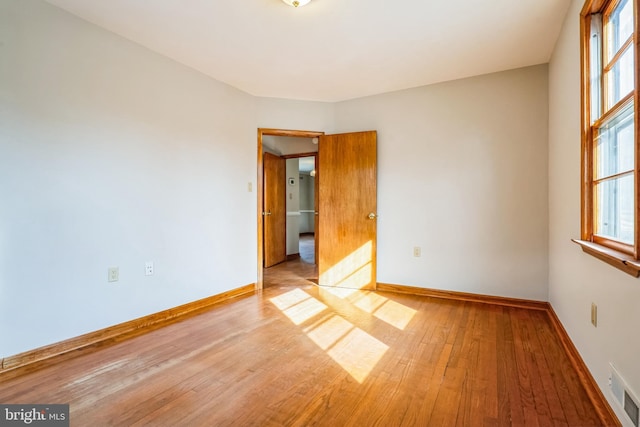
[610,224]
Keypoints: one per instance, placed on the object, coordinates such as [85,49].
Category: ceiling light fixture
[296,3]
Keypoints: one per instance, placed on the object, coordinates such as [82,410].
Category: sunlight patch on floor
[395,314]
[389,311]
[289,299]
[358,353]
[353,349]
[341,293]
[330,331]
[298,305]
[369,301]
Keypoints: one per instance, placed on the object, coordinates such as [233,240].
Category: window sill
[612,257]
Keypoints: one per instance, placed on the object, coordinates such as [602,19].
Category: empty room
[319,212]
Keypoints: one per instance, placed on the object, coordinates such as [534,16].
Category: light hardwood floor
[299,271]
[301,355]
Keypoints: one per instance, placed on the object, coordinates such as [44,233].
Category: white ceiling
[332,50]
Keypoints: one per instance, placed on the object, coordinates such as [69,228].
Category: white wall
[577,279]
[295,115]
[112,155]
[462,173]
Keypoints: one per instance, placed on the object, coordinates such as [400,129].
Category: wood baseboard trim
[606,414]
[44,356]
[463,296]
[292,257]
[602,407]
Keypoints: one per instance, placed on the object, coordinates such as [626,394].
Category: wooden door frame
[260,185]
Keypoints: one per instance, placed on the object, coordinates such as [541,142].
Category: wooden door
[347,210]
[274,211]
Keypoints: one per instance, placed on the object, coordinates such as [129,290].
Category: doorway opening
[287,207]
[345,227]
[305,230]
[301,206]
[296,264]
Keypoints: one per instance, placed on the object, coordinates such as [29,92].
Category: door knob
[372,216]
[266,213]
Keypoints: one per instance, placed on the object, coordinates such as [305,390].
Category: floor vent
[624,396]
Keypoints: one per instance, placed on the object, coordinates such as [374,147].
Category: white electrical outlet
[148,268]
[113,274]
[417,251]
